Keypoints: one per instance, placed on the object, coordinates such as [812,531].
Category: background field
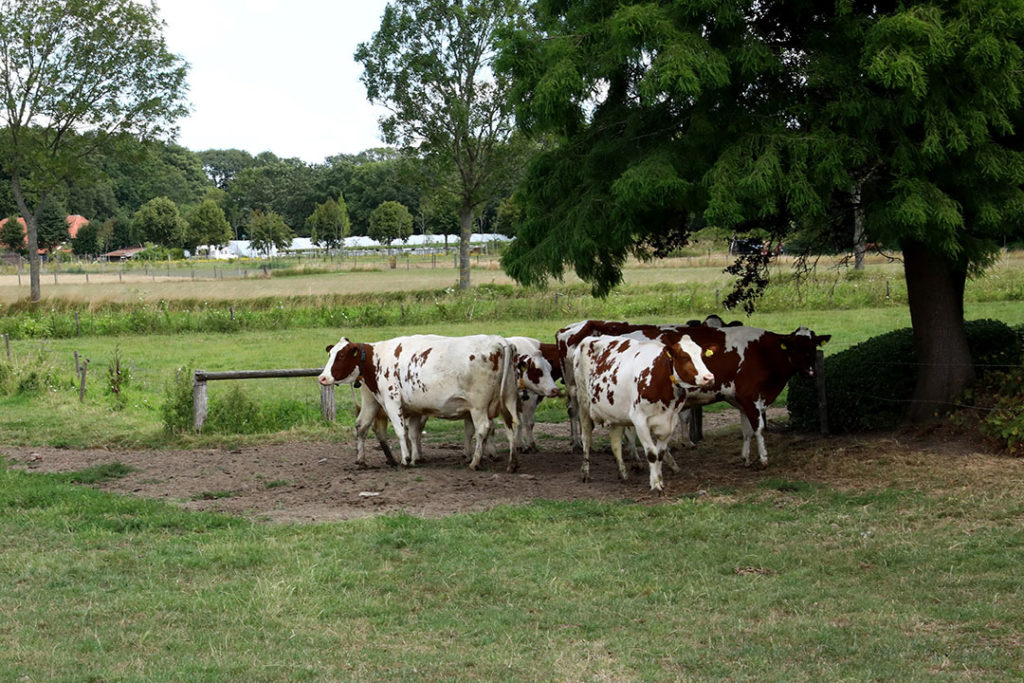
[889,556]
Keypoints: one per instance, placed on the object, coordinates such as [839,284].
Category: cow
[751,365]
[537,370]
[569,337]
[621,382]
[420,376]
[753,371]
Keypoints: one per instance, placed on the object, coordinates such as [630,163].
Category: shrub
[856,405]
[176,411]
[997,408]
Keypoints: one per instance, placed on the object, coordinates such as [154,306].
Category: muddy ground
[312,482]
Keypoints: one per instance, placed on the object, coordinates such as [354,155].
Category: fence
[201,377]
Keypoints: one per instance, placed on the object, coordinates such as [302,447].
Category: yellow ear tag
[708,353]
[782,346]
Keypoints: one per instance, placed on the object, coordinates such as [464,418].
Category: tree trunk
[859,242]
[935,291]
[31,239]
[465,233]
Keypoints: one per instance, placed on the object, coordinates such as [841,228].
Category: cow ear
[823,339]
[329,347]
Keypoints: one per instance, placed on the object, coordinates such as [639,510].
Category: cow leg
[467,424]
[572,407]
[398,421]
[762,450]
[681,434]
[366,418]
[482,425]
[615,439]
[654,458]
[490,450]
[671,462]
[630,435]
[371,414]
[414,424]
[653,451]
[527,416]
[586,440]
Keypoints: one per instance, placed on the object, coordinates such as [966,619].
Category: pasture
[267,555]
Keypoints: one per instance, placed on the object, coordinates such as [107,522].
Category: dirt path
[308,482]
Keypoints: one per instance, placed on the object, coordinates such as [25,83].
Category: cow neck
[365,366]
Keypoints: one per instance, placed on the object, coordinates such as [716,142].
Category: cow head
[344,363]
[688,363]
[535,374]
[800,349]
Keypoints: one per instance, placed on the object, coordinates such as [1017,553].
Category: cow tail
[509,385]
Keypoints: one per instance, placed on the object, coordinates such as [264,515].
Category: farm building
[304,245]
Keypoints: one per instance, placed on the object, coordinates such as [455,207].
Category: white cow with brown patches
[622,382]
[416,377]
[537,370]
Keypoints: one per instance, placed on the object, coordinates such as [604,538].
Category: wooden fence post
[81,380]
[198,400]
[327,402]
[696,424]
[819,380]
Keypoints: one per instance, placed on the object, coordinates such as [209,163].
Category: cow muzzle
[705,381]
[326,379]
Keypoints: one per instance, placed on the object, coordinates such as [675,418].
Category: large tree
[430,65]
[389,222]
[77,73]
[745,114]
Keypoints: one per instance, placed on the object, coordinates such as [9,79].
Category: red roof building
[74,223]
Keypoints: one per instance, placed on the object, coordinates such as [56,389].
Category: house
[126,254]
[74,223]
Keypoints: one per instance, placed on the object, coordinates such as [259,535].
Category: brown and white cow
[421,376]
[751,365]
[622,382]
[537,369]
[753,370]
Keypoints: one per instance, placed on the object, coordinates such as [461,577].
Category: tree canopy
[268,231]
[779,116]
[77,73]
[389,222]
[430,64]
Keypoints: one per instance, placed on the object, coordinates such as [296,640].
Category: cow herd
[634,379]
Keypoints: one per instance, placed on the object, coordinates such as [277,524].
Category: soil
[314,482]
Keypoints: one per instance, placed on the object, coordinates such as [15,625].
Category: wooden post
[7,343]
[696,424]
[198,401]
[81,380]
[327,402]
[819,380]
[78,367]
[78,326]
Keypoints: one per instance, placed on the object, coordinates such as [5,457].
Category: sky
[275,75]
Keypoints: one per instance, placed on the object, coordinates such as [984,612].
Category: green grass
[795,582]
[54,416]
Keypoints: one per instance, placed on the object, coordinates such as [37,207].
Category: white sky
[275,75]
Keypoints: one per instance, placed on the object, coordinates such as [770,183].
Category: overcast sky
[275,75]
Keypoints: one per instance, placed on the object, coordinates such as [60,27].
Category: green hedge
[869,385]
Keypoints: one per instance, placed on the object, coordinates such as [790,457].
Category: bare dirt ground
[312,482]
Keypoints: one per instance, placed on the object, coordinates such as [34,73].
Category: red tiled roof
[74,223]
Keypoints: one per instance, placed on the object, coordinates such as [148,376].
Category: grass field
[791,581]
[871,563]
